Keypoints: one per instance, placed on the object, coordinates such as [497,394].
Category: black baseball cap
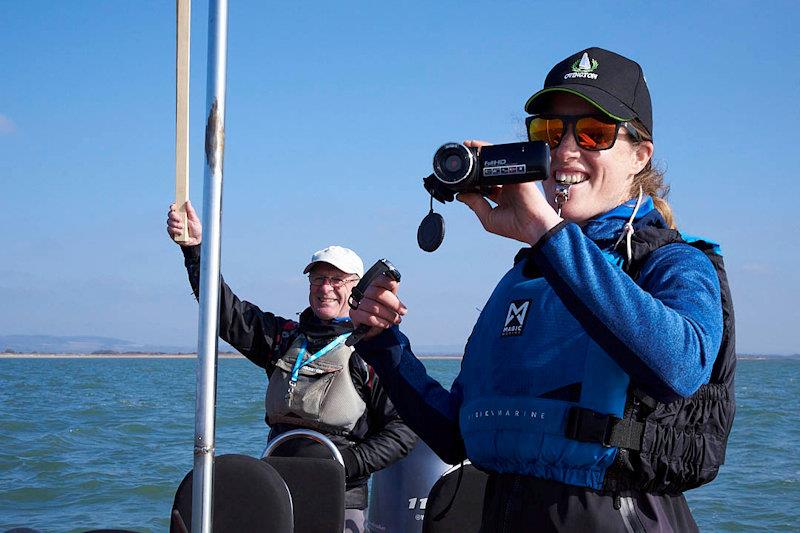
[612,83]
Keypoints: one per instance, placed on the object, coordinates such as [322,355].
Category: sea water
[100,443]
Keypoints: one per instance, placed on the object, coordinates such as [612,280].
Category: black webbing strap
[585,425]
[644,399]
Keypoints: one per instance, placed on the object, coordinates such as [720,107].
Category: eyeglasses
[335,282]
[592,132]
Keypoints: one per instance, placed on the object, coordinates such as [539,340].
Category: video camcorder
[458,168]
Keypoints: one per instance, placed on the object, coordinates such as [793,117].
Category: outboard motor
[399,493]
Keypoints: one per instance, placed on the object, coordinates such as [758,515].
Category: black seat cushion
[317,488]
[455,502]
[249,496]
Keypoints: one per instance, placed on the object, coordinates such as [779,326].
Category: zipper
[513,495]
[628,511]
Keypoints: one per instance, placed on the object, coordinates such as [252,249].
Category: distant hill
[86,344]
[439,349]
[756,357]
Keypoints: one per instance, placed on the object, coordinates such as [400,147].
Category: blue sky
[334,111]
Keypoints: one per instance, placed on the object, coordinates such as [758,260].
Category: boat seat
[315,478]
[455,502]
[249,497]
[317,489]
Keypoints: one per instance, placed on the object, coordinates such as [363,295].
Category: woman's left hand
[380,308]
[522,212]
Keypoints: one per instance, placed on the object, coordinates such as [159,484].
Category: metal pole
[208,328]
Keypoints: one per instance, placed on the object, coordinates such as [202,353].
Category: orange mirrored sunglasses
[592,132]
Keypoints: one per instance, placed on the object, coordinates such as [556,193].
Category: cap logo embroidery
[583,68]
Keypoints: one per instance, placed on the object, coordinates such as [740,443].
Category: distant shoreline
[111,356]
[222,355]
[233,355]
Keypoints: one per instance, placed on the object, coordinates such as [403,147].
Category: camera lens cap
[431,232]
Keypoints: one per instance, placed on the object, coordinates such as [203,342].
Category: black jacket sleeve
[241,324]
[387,438]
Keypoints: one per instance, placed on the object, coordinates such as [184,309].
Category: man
[359,419]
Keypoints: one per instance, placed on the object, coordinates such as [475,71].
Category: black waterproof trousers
[516,504]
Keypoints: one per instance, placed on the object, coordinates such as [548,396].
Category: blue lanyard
[299,363]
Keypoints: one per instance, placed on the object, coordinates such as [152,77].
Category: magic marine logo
[583,68]
[515,318]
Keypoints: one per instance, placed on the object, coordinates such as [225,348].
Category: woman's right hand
[175,225]
[521,211]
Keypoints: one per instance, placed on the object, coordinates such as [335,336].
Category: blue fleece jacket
[662,330]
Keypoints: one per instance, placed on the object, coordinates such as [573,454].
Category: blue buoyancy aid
[527,362]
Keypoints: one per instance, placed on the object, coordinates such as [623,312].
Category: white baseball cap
[342,258]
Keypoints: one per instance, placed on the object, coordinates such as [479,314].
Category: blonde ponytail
[651,180]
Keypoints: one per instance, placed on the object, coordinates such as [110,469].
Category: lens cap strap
[437,189]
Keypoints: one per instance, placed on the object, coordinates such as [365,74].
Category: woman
[584,389]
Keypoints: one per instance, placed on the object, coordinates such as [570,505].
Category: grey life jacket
[323,397]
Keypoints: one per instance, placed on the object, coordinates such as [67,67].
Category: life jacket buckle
[585,425]
[290,391]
